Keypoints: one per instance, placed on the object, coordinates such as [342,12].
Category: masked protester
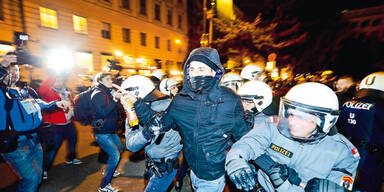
[206,115]
[302,148]
[362,121]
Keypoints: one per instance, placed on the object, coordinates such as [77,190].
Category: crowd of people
[228,131]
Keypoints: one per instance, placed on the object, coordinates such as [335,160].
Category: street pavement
[86,177]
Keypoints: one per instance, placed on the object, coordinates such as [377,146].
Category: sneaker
[74,161]
[115,174]
[108,188]
[45,175]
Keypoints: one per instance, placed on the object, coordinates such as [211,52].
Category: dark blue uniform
[362,121]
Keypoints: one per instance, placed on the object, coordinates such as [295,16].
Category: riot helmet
[251,72]
[142,87]
[258,92]
[307,112]
[232,80]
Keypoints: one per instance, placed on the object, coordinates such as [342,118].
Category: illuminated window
[84,61]
[169,17]
[157,42]
[80,24]
[48,18]
[143,39]
[104,59]
[157,12]
[106,31]
[126,35]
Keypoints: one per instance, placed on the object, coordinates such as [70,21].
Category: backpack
[82,107]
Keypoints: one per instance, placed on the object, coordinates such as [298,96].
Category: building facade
[366,22]
[142,34]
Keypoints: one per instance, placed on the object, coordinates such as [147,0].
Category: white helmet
[257,91]
[373,81]
[232,80]
[311,101]
[141,87]
[251,72]
[166,84]
[158,73]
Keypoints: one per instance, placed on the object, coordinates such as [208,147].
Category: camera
[23,56]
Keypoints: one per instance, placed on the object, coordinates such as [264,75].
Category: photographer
[20,117]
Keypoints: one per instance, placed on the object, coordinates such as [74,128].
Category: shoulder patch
[281,150]
[346,182]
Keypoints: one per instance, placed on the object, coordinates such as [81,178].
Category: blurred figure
[50,90]
[361,120]
[169,86]
[345,88]
[156,77]
[231,80]
[252,72]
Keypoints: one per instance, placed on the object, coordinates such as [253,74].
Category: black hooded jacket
[208,121]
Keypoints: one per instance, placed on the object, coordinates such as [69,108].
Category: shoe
[115,174]
[108,188]
[74,161]
[45,175]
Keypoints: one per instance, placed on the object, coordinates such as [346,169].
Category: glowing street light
[177,41]
[118,53]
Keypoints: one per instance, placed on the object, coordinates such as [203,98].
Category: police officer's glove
[154,126]
[242,174]
[323,185]
[279,173]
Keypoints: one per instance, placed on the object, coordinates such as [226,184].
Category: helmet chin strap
[257,106]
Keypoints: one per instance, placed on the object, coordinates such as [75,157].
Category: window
[376,22]
[169,17]
[180,21]
[169,45]
[364,23]
[84,60]
[48,18]
[126,35]
[80,24]
[143,7]
[125,4]
[157,12]
[143,39]
[106,31]
[157,42]
[1,10]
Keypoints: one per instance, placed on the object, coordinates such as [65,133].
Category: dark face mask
[200,83]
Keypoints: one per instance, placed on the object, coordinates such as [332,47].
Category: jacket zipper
[197,131]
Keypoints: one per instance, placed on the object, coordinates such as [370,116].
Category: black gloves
[242,174]
[323,185]
[154,126]
[280,173]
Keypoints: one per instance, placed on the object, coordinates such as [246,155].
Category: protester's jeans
[27,160]
[160,184]
[61,132]
[112,145]
[201,185]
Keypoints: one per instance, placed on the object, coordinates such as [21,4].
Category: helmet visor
[303,122]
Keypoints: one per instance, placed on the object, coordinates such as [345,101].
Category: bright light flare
[59,59]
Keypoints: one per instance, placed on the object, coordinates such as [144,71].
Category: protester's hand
[126,96]
[242,174]
[8,59]
[117,95]
[63,104]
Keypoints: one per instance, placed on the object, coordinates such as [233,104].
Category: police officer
[232,80]
[162,149]
[255,97]
[362,121]
[303,146]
